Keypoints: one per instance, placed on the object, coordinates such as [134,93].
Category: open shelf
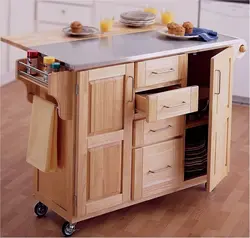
[196,123]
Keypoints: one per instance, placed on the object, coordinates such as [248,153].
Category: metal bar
[31,67]
[33,78]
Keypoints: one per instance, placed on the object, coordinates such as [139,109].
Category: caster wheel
[40,209]
[68,229]
[205,186]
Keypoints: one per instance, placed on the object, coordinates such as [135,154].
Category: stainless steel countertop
[93,53]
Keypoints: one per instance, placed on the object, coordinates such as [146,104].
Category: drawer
[157,168]
[146,133]
[170,70]
[167,102]
[63,13]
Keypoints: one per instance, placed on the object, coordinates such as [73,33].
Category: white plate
[138,16]
[87,31]
[136,24]
[165,33]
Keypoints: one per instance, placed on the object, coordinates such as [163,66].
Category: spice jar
[55,67]
[32,60]
[47,62]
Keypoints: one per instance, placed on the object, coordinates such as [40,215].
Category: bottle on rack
[32,60]
[56,67]
[47,62]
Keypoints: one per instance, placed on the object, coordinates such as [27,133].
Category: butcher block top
[122,45]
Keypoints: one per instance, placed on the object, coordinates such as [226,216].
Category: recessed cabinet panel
[105,169]
[106,105]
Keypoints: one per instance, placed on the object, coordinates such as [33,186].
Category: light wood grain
[26,41]
[148,133]
[62,88]
[220,117]
[158,106]
[106,104]
[81,143]
[105,169]
[137,174]
[162,70]
[107,72]
[128,126]
[161,162]
[105,203]
[107,138]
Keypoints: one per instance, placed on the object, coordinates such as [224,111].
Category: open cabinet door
[220,117]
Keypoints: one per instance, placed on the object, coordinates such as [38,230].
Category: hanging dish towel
[204,34]
[42,144]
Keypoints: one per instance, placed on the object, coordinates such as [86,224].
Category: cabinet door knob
[242,49]
[63,11]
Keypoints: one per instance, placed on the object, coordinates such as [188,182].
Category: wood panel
[81,143]
[146,133]
[220,117]
[105,169]
[159,166]
[163,70]
[106,104]
[167,104]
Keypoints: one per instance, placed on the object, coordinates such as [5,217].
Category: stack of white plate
[137,18]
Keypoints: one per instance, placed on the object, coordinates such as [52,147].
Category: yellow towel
[42,144]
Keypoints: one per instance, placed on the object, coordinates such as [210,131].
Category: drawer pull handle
[163,71]
[219,81]
[178,105]
[162,129]
[159,170]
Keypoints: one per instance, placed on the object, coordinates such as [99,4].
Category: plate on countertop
[175,37]
[138,16]
[137,23]
[86,31]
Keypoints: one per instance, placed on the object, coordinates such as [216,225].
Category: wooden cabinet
[104,143]
[220,117]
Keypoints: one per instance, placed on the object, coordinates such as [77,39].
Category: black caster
[40,209]
[68,229]
[205,186]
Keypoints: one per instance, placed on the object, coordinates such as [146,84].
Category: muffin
[188,26]
[171,27]
[76,27]
[179,31]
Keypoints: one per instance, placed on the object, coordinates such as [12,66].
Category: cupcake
[179,31]
[188,26]
[171,27]
[76,27]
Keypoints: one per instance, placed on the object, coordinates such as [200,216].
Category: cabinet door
[220,117]
[104,140]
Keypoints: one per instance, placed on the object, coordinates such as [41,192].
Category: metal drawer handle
[219,80]
[178,105]
[162,129]
[159,170]
[133,94]
[163,71]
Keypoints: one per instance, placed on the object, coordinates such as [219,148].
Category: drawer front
[170,70]
[157,168]
[63,13]
[168,104]
[146,133]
